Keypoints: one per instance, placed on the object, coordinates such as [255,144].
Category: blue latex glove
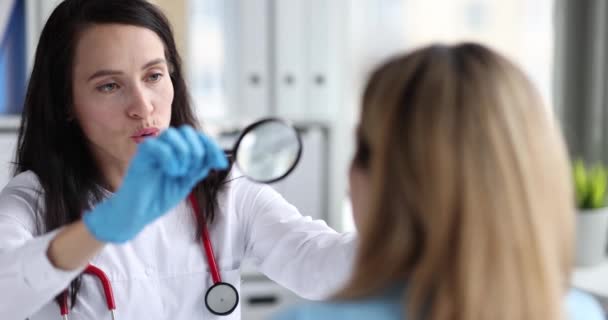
[161,174]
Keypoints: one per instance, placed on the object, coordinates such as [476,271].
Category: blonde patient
[460,187]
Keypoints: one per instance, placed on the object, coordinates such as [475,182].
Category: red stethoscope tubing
[63,304]
[215,273]
[107,288]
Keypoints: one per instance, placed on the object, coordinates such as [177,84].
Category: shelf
[10,121]
[593,279]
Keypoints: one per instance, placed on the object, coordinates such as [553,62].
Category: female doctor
[107,156]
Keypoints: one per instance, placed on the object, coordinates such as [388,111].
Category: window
[520,29]
[12,56]
[207,57]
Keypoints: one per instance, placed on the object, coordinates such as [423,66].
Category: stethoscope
[221,298]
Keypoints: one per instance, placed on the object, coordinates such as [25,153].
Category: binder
[253,75]
[290,55]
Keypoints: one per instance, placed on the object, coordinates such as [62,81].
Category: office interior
[306,61]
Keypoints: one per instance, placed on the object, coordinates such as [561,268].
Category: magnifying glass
[267,150]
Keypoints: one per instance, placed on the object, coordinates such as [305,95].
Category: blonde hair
[471,208]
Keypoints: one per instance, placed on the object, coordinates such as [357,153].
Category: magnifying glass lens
[268,151]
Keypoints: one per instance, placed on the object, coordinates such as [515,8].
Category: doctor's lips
[144,133]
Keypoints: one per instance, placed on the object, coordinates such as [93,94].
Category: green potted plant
[592,218]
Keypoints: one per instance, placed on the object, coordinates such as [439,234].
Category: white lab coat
[163,273]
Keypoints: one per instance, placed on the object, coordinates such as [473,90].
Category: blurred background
[306,61]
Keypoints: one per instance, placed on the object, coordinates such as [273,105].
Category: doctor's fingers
[214,158]
[195,147]
[180,158]
[154,156]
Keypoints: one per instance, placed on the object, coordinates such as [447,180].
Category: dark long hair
[54,147]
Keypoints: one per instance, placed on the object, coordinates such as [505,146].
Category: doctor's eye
[155,77]
[108,87]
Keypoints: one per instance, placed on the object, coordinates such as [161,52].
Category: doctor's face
[122,91]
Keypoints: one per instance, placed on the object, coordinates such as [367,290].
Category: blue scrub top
[580,306]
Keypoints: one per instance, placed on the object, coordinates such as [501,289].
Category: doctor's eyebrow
[106,72]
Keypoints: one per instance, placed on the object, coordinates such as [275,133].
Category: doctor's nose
[140,106]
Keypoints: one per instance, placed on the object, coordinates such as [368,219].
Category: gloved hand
[161,174]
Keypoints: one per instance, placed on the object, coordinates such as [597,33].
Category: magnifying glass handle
[229,154]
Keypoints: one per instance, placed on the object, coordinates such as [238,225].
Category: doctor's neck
[113,176]
[113,171]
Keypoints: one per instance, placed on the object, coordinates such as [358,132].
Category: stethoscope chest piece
[221,299]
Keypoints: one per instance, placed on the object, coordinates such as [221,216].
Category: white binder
[291,57]
[253,78]
[320,45]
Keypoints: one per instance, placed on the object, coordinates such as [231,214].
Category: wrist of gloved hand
[104,229]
